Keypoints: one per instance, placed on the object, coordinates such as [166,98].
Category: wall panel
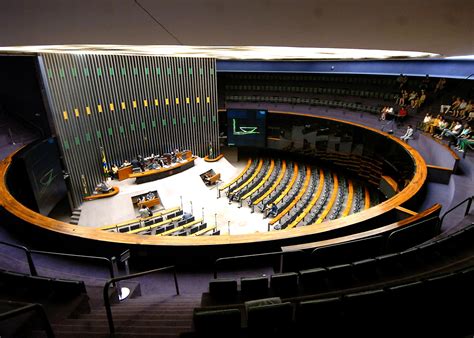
[127,105]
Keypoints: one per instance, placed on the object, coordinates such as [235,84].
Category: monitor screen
[45,175]
[246,127]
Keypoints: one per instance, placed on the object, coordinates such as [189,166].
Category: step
[72,334]
[104,329]
[129,320]
[74,217]
[145,316]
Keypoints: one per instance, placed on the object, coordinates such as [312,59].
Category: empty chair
[365,270]
[407,299]
[340,276]
[217,323]
[322,317]
[223,290]
[269,320]
[284,284]
[254,287]
[372,302]
[313,280]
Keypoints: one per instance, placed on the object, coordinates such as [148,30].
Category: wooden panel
[124,173]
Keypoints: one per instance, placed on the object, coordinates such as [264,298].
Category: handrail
[105,293]
[31,265]
[27,308]
[110,261]
[469,202]
[274,253]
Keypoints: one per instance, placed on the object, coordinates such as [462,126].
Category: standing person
[408,135]
[211,151]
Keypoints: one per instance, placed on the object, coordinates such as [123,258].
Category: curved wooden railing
[367,198]
[262,182]
[350,197]
[428,213]
[296,199]
[14,207]
[328,208]
[249,163]
[273,187]
[311,203]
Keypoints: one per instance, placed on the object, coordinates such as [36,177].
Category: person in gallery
[408,134]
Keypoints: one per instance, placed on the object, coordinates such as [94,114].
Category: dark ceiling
[439,26]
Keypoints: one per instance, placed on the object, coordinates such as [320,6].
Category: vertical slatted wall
[128,105]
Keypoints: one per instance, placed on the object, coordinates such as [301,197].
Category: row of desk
[186,161]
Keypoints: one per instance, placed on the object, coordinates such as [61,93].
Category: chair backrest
[270,317]
[217,323]
[223,289]
[254,287]
[284,284]
[313,280]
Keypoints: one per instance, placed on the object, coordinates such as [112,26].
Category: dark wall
[20,92]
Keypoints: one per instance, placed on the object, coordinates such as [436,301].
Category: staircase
[76,215]
[155,316]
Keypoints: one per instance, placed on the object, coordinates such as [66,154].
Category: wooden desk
[156,174]
[112,192]
[124,172]
[214,179]
[150,203]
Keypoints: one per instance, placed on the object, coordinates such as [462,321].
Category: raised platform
[156,174]
[114,191]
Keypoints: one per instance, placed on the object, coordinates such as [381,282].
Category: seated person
[271,210]
[464,142]
[125,164]
[114,171]
[103,187]
[150,196]
[453,131]
[135,163]
[408,135]
[145,212]
[402,114]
